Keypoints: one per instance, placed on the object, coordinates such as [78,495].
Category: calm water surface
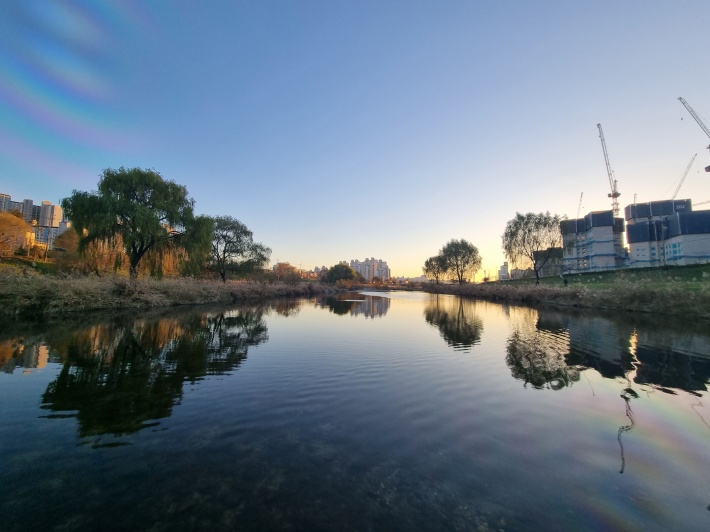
[397,411]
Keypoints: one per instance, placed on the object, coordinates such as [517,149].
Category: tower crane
[579,207]
[614,194]
[698,120]
[687,169]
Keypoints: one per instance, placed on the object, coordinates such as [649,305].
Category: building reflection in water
[549,347]
[355,304]
[456,319]
[26,353]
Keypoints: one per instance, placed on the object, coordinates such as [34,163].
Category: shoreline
[28,294]
[625,297]
[31,295]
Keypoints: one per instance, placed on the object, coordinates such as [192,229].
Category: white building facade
[667,232]
[593,243]
[370,268]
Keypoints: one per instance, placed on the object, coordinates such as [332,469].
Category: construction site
[650,234]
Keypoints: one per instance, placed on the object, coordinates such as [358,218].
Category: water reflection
[122,376]
[594,341]
[537,355]
[627,395]
[637,348]
[29,354]
[355,304]
[549,347]
[456,319]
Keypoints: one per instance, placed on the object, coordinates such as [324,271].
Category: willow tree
[143,210]
[531,239]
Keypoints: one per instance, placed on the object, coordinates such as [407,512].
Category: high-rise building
[5,202]
[27,210]
[592,243]
[47,219]
[667,232]
[370,268]
[50,215]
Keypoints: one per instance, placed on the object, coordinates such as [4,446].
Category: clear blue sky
[340,130]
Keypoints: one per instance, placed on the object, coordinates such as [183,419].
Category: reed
[27,293]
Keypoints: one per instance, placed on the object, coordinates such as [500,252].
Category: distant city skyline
[359,128]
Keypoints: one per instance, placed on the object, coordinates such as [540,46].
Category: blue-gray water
[399,411]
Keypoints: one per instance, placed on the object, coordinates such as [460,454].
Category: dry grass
[28,293]
[668,298]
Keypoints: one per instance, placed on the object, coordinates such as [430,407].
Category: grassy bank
[31,294]
[623,292]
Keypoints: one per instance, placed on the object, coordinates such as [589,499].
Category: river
[361,411]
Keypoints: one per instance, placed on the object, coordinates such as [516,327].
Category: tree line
[150,219]
[139,220]
[529,240]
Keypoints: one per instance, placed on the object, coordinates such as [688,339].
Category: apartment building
[370,268]
[667,232]
[593,243]
[47,219]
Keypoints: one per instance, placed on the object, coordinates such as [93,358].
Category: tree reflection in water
[456,320]
[121,377]
[537,356]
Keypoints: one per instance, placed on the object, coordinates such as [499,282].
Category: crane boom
[699,121]
[695,116]
[614,194]
[687,169]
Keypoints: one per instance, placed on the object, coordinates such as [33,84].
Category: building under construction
[658,233]
[593,243]
[667,232]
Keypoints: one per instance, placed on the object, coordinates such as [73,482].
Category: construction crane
[614,194]
[579,207]
[701,203]
[687,169]
[699,121]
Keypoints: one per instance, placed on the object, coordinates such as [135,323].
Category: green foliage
[341,272]
[529,239]
[233,248]
[435,267]
[197,243]
[461,259]
[139,207]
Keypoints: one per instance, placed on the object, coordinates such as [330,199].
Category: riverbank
[30,294]
[670,298]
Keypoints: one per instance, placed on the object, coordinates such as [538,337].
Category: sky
[339,130]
